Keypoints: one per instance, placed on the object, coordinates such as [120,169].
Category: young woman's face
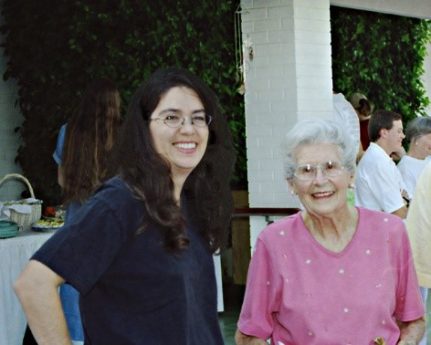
[184,146]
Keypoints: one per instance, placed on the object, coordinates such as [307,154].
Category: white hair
[318,131]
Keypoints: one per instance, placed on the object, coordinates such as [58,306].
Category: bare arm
[37,290]
[360,152]
[412,332]
[60,176]
[243,339]
[401,212]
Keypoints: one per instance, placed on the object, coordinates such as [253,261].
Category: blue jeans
[70,300]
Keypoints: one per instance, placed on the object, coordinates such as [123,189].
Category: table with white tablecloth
[14,255]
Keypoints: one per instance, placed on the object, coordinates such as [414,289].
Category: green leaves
[381,56]
[54,50]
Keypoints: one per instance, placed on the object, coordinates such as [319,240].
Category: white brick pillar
[287,66]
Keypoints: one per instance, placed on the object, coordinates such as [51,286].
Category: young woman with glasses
[140,250]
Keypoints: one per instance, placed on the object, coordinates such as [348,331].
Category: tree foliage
[381,56]
[56,47]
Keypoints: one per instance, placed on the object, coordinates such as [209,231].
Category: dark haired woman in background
[140,250]
[82,166]
[81,155]
[363,109]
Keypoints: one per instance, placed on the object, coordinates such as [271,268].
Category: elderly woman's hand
[408,342]
[411,332]
[243,339]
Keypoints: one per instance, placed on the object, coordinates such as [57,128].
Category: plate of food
[48,223]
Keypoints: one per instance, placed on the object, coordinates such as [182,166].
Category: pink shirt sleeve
[260,300]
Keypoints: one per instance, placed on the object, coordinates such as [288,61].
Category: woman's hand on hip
[243,339]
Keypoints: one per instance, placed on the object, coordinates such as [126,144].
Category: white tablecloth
[14,255]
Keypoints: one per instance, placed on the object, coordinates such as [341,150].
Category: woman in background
[363,109]
[83,147]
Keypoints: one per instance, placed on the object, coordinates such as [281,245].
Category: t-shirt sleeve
[409,302]
[256,318]
[58,153]
[83,249]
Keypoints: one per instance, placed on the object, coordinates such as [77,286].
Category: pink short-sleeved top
[300,293]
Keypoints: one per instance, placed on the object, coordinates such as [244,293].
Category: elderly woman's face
[423,144]
[320,180]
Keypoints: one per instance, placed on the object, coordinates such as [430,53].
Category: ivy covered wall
[54,48]
[381,56]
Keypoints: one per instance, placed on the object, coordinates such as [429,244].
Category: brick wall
[288,76]
[287,64]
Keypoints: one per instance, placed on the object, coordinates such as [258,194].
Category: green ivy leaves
[381,56]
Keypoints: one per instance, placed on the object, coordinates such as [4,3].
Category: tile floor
[227,322]
[229,318]
[233,295]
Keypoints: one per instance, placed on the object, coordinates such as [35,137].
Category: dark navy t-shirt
[132,290]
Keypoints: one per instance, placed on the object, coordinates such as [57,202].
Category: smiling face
[182,147]
[323,195]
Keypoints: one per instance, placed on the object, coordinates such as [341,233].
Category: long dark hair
[206,191]
[90,135]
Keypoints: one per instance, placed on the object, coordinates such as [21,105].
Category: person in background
[363,109]
[332,273]
[139,251]
[81,154]
[418,224]
[379,185]
[345,113]
[418,134]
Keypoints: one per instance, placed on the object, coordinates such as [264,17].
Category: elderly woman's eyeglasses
[176,121]
[308,172]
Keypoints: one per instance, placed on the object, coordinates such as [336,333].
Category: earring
[351,185]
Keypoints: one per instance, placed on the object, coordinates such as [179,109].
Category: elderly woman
[332,273]
[418,133]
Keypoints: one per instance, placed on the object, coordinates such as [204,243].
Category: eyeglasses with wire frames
[308,172]
[175,121]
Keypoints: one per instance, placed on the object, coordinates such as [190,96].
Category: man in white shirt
[379,185]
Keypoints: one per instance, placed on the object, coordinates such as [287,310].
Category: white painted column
[287,66]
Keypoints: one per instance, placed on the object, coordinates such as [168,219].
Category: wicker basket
[24,220]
